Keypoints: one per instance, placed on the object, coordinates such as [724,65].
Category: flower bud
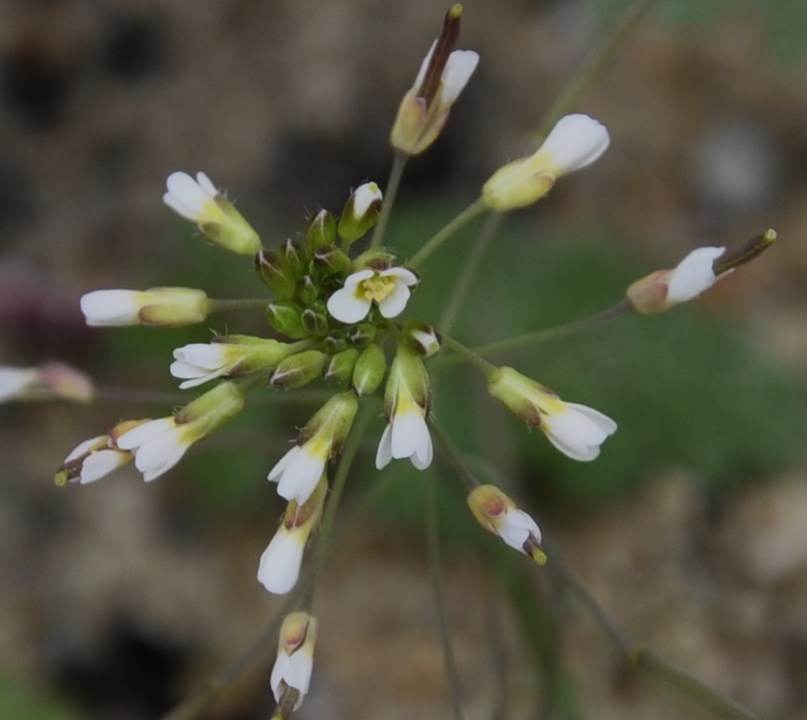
[276,273]
[291,674]
[199,201]
[421,338]
[307,291]
[299,369]
[286,318]
[321,231]
[314,322]
[499,515]
[330,260]
[158,307]
[369,370]
[360,213]
[340,366]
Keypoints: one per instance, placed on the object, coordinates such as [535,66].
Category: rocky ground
[123,597]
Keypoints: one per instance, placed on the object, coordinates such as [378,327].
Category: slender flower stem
[470,355]
[592,69]
[451,454]
[237,304]
[556,333]
[471,265]
[329,515]
[472,211]
[390,192]
[635,653]
[435,571]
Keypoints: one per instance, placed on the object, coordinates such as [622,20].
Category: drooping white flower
[199,201]
[389,289]
[95,458]
[576,430]
[575,142]
[160,444]
[279,566]
[162,307]
[406,403]
[498,514]
[295,657]
[300,469]
[442,76]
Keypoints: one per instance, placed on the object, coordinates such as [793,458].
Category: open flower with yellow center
[389,289]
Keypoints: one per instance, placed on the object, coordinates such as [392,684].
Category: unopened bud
[275,273]
[321,231]
[299,369]
[340,366]
[315,323]
[369,370]
[360,213]
[286,318]
[331,260]
[421,338]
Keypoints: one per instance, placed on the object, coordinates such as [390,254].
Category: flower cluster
[334,316]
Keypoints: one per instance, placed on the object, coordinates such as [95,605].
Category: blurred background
[120,598]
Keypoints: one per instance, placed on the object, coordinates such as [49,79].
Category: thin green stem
[436,574]
[470,355]
[471,265]
[561,331]
[390,193]
[472,211]
[236,304]
[450,453]
[335,495]
[592,69]
[635,653]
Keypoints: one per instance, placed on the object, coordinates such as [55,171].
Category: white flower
[300,469]
[160,444]
[389,289]
[295,657]
[406,436]
[228,355]
[424,109]
[280,563]
[193,199]
[498,514]
[575,141]
[364,196]
[406,400]
[199,201]
[49,381]
[165,307]
[693,275]
[92,460]
[575,430]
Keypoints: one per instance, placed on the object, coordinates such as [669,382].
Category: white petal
[144,432]
[100,464]
[365,196]
[394,304]
[459,68]
[110,307]
[298,673]
[346,307]
[575,141]
[579,431]
[300,475]
[158,456]
[204,355]
[86,446]
[279,567]
[186,196]
[383,455]
[516,527]
[693,275]
[278,674]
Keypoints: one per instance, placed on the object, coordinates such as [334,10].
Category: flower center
[377,288]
